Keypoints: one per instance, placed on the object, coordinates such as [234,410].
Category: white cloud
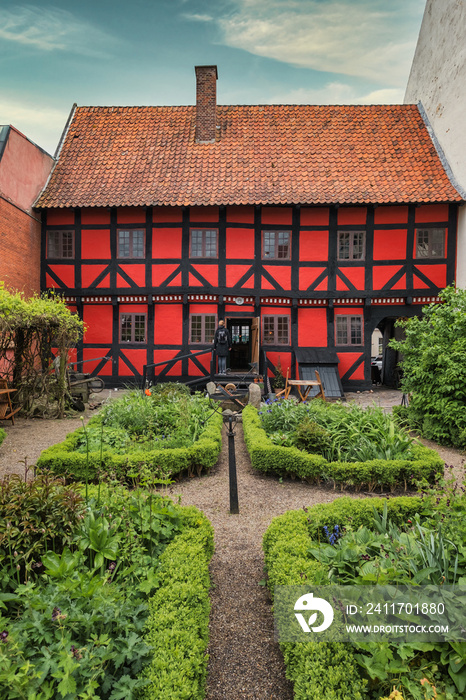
[52,29]
[335,93]
[198,18]
[372,39]
[41,124]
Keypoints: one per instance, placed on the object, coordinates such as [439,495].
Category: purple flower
[75,652]
[57,615]
[3,636]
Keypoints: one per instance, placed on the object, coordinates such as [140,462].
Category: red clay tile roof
[270,154]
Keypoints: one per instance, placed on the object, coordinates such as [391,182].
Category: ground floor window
[276,330]
[348,330]
[133,328]
[202,328]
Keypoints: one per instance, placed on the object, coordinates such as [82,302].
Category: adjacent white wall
[438,80]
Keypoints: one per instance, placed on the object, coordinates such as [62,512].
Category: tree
[31,330]
[434,368]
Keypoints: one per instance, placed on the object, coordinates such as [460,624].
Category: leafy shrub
[314,468]
[324,671]
[434,371]
[90,452]
[299,549]
[84,628]
[2,435]
[355,434]
[35,517]
[33,326]
[311,437]
[177,628]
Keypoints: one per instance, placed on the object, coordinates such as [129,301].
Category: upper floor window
[348,330]
[131,243]
[203,243]
[430,243]
[202,328]
[351,245]
[60,244]
[276,245]
[276,330]
[133,328]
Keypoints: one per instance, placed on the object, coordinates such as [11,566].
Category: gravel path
[245,661]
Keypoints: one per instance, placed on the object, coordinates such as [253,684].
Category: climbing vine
[32,332]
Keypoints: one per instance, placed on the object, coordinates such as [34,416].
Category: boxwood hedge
[63,460]
[322,670]
[178,624]
[376,473]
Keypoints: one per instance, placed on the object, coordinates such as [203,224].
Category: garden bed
[164,434]
[104,593]
[288,423]
[345,543]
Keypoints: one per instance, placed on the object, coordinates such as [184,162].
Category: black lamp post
[234,507]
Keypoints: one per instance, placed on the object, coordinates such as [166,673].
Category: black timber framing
[372,314]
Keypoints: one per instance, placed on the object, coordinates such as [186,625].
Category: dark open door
[240,355]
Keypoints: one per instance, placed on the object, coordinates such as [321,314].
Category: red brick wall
[19,249]
[206,103]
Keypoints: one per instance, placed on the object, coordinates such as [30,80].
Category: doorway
[241,337]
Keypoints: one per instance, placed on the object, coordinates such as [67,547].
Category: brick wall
[206,103]
[19,249]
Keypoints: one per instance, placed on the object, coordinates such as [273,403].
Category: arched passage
[390,372]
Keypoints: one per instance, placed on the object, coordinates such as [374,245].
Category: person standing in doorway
[222,346]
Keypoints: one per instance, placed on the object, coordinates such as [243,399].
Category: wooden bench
[7,411]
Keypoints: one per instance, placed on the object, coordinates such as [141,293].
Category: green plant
[314,468]
[396,539]
[34,326]
[177,627]
[2,435]
[136,424]
[124,606]
[352,433]
[36,516]
[311,437]
[278,381]
[434,371]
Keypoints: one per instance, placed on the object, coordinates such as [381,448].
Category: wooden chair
[320,394]
[6,409]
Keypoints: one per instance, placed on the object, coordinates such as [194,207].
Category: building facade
[304,227]
[436,82]
[24,169]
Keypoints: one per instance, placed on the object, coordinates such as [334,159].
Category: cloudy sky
[143,52]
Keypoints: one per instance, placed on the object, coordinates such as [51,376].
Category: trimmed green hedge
[178,624]
[289,461]
[326,671]
[63,460]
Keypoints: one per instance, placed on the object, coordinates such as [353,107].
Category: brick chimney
[206,103]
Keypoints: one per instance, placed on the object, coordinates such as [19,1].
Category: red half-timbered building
[305,227]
